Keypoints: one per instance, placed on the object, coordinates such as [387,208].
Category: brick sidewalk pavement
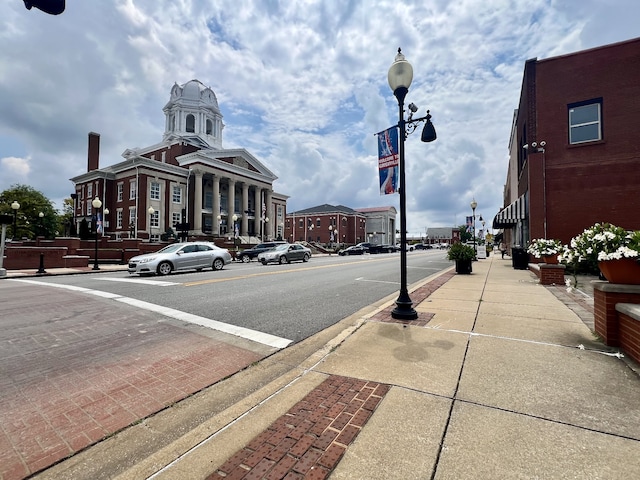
[77,369]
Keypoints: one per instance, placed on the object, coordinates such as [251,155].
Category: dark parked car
[422,246]
[285,253]
[365,246]
[251,253]
[353,250]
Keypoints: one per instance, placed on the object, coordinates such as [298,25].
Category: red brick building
[574,147]
[339,224]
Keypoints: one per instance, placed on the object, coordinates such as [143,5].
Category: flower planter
[550,259]
[624,270]
[464,266]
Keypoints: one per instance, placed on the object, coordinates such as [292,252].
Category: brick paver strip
[310,439]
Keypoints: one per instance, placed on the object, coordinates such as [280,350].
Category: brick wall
[629,330]
[606,318]
[548,274]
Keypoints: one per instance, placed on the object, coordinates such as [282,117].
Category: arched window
[191,123]
[172,123]
[209,127]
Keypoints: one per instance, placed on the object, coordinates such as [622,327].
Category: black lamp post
[96,203]
[15,206]
[400,76]
[473,205]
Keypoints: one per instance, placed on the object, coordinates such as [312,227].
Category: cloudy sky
[302,85]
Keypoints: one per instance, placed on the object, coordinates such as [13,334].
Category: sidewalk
[498,378]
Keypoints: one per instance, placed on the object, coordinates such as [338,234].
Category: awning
[512,214]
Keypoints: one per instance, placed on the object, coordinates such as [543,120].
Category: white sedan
[180,256]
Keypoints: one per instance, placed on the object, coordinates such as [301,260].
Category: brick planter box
[615,322]
[548,273]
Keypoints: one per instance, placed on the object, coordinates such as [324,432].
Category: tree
[29,223]
[465,236]
[65,220]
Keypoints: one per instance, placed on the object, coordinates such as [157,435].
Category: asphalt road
[291,302]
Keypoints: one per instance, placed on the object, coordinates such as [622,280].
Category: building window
[301,223]
[89,190]
[209,127]
[177,194]
[132,190]
[191,123]
[585,121]
[120,193]
[176,218]
[318,222]
[132,216]
[119,219]
[89,207]
[154,219]
[155,191]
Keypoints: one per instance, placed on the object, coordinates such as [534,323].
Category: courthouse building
[187,178]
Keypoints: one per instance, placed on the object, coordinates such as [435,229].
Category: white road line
[158,283]
[362,279]
[260,337]
[253,335]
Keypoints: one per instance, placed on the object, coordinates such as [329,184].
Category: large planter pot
[464,266]
[550,259]
[624,270]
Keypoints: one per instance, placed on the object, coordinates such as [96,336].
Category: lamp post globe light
[96,203]
[15,206]
[151,211]
[40,224]
[235,230]
[473,206]
[400,76]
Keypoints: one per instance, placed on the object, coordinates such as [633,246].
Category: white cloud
[301,84]
[14,167]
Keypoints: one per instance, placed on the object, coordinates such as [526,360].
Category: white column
[258,204]
[231,202]
[197,203]
[216,204]
[245,207]
[269,214]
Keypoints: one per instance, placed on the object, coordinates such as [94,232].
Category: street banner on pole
[388,160]
[469,224]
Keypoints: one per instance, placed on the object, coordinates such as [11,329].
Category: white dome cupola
[192,111]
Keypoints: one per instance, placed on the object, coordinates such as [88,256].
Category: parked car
[180,256]
[352,250]
[409,248]
[251,253]
[285,253]
[365,246]
[422,246]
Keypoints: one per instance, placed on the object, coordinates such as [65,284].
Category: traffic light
[52,7]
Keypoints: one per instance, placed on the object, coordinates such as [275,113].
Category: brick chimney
[93,154]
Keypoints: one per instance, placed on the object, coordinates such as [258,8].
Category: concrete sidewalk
[498,378]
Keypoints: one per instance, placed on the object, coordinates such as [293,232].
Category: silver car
[180,256]
[285,253]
